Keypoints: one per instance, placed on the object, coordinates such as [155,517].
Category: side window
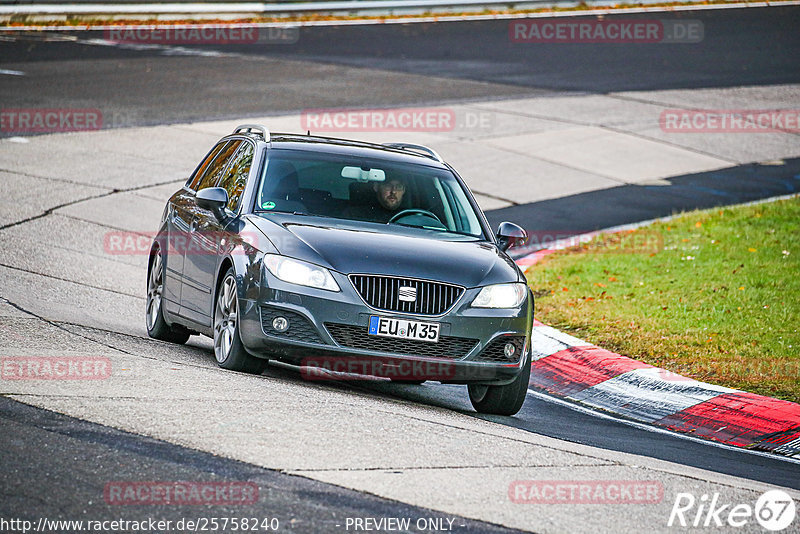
[198,174]
[235,177]
[214,171]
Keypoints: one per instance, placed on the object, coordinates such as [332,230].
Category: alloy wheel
[225,319]
[155,287]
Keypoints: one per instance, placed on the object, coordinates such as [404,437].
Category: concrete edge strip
[574,370]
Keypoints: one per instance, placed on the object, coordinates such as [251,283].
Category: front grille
[356,337]
[494,351]
[384,292]
[300,328]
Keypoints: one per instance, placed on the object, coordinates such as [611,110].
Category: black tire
[157,327]
[502,400]
[228,347]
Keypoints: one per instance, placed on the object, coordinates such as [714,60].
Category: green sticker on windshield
[268,205]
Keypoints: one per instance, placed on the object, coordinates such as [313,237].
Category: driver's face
[390,194]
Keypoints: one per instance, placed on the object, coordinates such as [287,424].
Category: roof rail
[422,148]
[249,128]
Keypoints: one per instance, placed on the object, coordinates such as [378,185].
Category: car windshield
[366,189]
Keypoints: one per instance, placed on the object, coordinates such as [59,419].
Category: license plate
[401,328]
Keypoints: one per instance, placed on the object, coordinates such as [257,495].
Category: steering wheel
[414,211]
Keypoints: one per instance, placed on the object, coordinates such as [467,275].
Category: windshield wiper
[304,214]
[436,228]
[301,213]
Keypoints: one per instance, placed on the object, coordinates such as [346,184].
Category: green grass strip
[713,295]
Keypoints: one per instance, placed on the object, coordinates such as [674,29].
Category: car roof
[330,145]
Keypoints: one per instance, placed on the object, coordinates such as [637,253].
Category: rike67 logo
[774,510]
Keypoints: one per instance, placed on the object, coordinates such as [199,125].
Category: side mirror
[510,235]
[213,199]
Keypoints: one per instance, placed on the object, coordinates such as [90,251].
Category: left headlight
[501,296]
[300,272]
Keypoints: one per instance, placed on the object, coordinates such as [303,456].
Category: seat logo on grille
[407,294]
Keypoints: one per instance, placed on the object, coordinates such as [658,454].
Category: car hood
[389,250]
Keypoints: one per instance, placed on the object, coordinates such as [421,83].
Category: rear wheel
[501,400]
[157,327]
[228,347]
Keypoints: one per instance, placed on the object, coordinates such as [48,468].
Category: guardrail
[227,9]
[77,10]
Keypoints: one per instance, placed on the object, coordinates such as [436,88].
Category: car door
[178,218]
[205,233]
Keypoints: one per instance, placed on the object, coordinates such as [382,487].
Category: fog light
[509,350]
[281,324]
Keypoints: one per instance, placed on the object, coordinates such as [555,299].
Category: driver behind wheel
[382,205]
[390,194]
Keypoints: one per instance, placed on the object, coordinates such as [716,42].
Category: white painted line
[12,72]
[558,335]
[649,394]
[787,447]
[657,430]
[546,341]
[166,50]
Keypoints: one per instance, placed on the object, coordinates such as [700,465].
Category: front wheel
[501,400]
[228,348]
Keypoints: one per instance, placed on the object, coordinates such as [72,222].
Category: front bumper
[329,330]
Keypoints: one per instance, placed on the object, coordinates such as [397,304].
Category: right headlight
[300,272]
[501,296]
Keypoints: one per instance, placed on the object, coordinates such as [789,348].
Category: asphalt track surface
[62,482]
[444,62]
[630,204]
[558,420]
